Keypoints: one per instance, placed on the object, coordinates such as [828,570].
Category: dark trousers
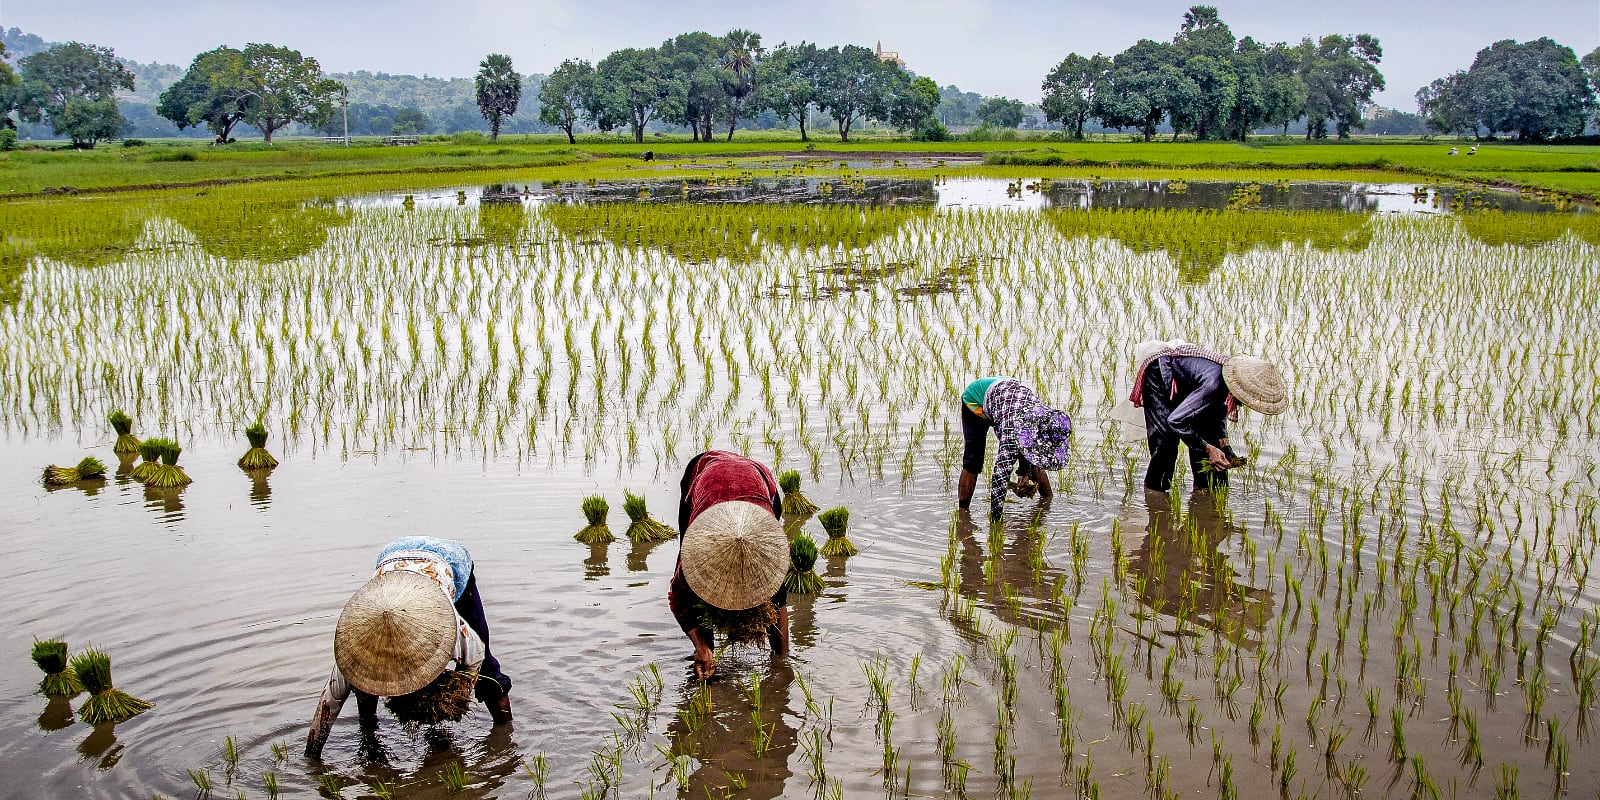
[491,681]
[974,438]
[1164,441]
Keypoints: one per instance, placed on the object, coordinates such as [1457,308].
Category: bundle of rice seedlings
[794,502]
[59,678]
[105,703]
[446,699]
[87,469]
[802,577]
[836,521]
[123,425]
[595,509]
[150,451]
[749,626]
[641,528]
[257,456]
[168,474]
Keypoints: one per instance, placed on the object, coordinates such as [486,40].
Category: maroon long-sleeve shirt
[717,476]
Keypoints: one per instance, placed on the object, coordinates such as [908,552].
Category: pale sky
[993,47]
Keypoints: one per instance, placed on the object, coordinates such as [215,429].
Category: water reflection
[835,191]
[595,566]
[168,500]
[266,229]
[1199,241]
[1179,571]
[1529,230]
[101,746]
[502,219]
[1008,574]
[639,554]
[487,765]
[82,233]
[89,486]
[260,490]
[57,714]
[1213,195]
[731,740]
[738,233]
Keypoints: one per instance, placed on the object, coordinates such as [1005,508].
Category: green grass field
[175,163]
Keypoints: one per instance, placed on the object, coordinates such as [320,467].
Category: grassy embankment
[1570,169]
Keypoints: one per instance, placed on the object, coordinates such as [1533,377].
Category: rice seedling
[454,777]
[641,527]
[60,679]
[269,782]
[538,768]
[167,474]
[447,698]
[795,504]
[330,785]
[802,577]
[105,703]
[747,626]
[257,456]
[201,778]
[126,443]
[90,468]
[836,521]
[595,509]
[150,450]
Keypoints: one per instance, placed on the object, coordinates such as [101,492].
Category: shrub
[8,139]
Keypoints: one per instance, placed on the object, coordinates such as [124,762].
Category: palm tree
[741,54]
[499,89]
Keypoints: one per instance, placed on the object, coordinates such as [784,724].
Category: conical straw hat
[395,635]
[1256,383]
[735,555]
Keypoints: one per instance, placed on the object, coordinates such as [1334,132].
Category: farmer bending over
[732,556]
[1033,437]
[416,625]
[1189,394]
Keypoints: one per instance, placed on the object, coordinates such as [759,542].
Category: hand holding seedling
[1219,460]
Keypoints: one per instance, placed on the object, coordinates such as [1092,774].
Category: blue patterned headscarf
[1044,434]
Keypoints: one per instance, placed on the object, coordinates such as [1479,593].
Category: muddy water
[1043,651]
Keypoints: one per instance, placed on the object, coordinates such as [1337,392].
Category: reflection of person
[403,628]
[1033,438]
[1178,563]
[732,551]
[1189,394]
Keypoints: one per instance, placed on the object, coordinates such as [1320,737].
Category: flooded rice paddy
[1393,600]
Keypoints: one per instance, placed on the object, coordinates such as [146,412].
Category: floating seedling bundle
[748,626]
[257,456]
[123,425]
[595,509]
[802,577]
[836,521]
[87,469]
[150,451]
[167,474]
[794,502]
[641,528]
[59,678]
[446,699]
[106,703]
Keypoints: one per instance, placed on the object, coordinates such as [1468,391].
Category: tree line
[710,84]
[1209,83]
[1535,91]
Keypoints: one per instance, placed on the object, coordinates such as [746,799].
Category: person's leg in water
[974,438]
[494,686]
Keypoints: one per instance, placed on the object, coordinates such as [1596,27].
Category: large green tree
[1001,112]
[1536,90]
[282,87]
[854,86]
[1341,75]
[499,89]
[8,89]
[787,82]
[694,85]
[73,86]
[915,108]
[561,98]
[214,92]
[1069,91]
[1143,85]
[632,86]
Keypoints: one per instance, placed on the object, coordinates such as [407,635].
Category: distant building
[889,55]
[1370,111]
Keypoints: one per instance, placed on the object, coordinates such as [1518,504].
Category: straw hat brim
[395,635]
[734,555]
[1256,383]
